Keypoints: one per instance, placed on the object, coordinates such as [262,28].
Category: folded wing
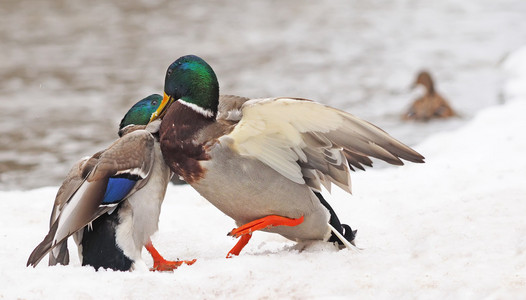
[108,178]
[74,179]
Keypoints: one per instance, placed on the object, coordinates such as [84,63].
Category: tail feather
[59,255]
[341,233]
[43,248]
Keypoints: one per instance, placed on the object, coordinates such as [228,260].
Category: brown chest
[178,137]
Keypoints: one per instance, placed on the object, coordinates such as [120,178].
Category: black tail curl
[343,229]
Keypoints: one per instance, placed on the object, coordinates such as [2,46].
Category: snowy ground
[451,228]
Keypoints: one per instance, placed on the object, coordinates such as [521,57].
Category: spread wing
[308,142]
[109,177]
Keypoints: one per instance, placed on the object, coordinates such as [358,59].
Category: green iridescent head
[191,79]
[141,112]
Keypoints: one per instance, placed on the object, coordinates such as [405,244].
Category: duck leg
[239,246]
[245,231]
[161,264]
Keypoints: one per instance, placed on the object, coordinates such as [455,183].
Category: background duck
[111,201]
[431,105]
[264,161]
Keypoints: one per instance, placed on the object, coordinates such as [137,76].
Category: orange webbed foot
[161,264]
[169,265]
[245,231]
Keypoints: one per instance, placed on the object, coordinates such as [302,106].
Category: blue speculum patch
[117,189]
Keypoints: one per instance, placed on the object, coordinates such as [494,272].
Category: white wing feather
[293,136]
[271,131]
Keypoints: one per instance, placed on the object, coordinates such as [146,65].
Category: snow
[450,228]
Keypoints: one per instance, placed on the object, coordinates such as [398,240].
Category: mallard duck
[110,202]
[431,105]
[263,162]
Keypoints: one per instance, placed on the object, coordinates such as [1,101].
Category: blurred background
[69,70]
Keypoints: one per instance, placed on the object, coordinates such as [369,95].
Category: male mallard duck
[111,202]
[262,161]
[431,105]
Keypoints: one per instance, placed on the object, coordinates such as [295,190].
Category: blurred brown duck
[430,106]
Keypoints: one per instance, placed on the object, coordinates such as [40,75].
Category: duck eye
[169,72]
[154,102]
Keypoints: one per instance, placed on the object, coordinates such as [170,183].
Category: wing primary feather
[59,255]
[82,208]
[294,136]
[43,248]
